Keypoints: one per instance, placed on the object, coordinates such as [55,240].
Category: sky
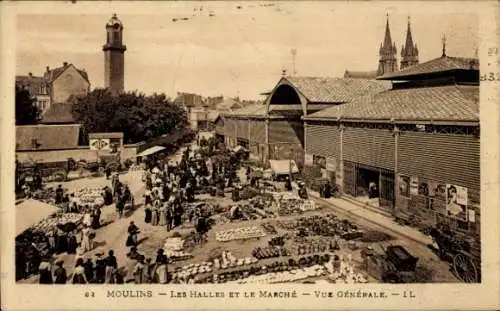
[239,51]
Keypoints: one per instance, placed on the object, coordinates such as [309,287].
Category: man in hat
[59,194]
[236,193]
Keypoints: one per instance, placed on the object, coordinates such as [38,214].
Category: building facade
[114,56]
[56,86]
[418,143]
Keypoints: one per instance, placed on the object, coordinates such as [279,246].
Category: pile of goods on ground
[59,220]
[285,276]
[91,196]
[239,234]
[269,252]
[269,228]
[291,204]
[323,225]
[225,262]
[174,249]
[46,195]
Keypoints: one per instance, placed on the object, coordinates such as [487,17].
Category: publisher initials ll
[408,294]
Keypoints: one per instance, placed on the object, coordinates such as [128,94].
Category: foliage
[26,110]
[138,116]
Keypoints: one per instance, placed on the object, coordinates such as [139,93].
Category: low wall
[80,153]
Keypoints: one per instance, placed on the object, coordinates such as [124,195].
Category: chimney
[47,68]
[30,74]
[65,64]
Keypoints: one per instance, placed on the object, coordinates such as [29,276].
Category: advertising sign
[331,164]
[100,144]
[456,201]
[308,159]
[414,185]
[404,186]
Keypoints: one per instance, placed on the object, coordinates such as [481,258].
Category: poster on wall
[472,215]
[414,185]
[404,186]
[331,164]
[456,203]
[308,159]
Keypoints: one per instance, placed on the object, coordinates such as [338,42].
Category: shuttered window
[373,147]
[323,140]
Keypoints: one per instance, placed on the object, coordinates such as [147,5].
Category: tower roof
[114,22]
[387,38]
[409,39]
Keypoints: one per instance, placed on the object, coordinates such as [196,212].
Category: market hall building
[417,142]
[275,130]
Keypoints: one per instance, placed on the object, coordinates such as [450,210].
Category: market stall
[282,168]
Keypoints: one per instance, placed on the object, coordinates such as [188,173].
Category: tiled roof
[336,90]
[255,110]
[360,74]
[52,74]
[58,113]
[48,137]
[442,64]
[440,103]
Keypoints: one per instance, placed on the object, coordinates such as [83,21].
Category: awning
[30,212]
[240,148]
[150,151]
[282,167]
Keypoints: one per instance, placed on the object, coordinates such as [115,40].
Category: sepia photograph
[247,143]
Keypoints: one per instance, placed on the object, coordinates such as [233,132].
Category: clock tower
[114,58]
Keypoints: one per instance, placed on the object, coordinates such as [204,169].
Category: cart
[458,252]
[397,265]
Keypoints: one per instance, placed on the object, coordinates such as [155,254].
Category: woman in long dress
[155,216]
[139,270]
[79,273]
[161,267]
[163,214]
[111,266]
[85,244]
[72,243]
[147,214]
[45,270]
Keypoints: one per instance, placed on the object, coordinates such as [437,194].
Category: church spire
[387,53]
[409,52]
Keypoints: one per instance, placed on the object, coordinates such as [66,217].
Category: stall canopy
[30,212]
[282,167]
[240,148]
[150,151]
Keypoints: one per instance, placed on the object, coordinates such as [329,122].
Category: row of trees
[138,116]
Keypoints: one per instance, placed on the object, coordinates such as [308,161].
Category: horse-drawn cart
[466,264]
[396,265]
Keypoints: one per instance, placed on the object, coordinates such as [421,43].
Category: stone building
[56,86]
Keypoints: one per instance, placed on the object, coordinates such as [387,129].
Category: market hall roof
[253,110]
[435,66]
[450,103]
[336,90]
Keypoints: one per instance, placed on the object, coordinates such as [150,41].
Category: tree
[26,110]
[139,117]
